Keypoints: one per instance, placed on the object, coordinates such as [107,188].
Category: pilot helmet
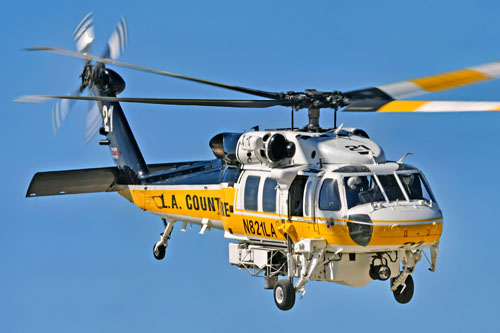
[354,182]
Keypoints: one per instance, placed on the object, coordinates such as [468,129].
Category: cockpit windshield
[401,186]
[416,187]
[391,187]
[361,190]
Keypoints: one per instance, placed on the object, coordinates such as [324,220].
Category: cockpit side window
[251,192]
[361,190]
[329,198]
[416,187]
[269,196]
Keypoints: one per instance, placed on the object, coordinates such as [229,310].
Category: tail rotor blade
[93,122]
[60,111]
[84,34]
[118,41]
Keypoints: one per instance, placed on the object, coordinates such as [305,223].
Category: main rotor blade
[427,84]
[422,106]
[165,101]
[88,57]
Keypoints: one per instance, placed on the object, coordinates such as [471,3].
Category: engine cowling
[224,145]
[264,148]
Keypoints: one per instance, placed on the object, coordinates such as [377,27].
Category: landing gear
[160,248]
[404,292]
[159,251]
[402,286]
[284,294]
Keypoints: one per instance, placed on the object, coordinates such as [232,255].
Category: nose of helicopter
[395,224]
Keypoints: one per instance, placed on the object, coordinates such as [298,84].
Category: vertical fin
[123,147]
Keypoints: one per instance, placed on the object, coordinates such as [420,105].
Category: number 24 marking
[358,148]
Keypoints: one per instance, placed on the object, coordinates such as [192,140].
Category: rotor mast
[313,114]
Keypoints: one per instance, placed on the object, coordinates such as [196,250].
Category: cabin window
[251,192]
[269,196]
[329,198]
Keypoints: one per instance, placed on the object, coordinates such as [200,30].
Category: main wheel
[159,251]
[284,294]
[403,296]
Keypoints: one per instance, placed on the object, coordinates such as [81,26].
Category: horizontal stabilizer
[73,181]
[86,180]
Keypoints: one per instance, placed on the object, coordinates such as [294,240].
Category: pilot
[354,183]
[353,189]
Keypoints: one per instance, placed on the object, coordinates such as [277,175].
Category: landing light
[380,272]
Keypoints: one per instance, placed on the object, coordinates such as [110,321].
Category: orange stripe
[451,80]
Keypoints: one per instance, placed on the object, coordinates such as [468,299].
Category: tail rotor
[84,35]
[118,41]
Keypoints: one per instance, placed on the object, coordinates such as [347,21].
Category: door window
[269,195]
[251,192]
[296,196]
[329,198]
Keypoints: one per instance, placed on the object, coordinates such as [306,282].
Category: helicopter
[301,203]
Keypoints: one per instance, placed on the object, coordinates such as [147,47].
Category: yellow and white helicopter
[303,203]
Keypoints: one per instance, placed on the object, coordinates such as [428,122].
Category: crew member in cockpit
[353,188]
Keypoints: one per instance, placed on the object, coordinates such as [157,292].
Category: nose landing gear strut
[402,286]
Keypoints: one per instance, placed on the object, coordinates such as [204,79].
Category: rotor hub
[106,80]
[314,99]
[87,76]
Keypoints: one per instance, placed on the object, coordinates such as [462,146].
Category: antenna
[334,117]
[402,158]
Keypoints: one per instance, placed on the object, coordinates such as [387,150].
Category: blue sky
[84,263]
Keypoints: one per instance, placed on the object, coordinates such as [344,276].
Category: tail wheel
[284,294]
[404,293]
[159,251]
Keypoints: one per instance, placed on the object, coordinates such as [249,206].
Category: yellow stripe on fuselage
[217,204]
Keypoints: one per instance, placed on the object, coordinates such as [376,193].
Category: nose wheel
[404,292]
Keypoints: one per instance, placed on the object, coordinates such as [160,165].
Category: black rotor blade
[371,94]
[165,101]
[89,57]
